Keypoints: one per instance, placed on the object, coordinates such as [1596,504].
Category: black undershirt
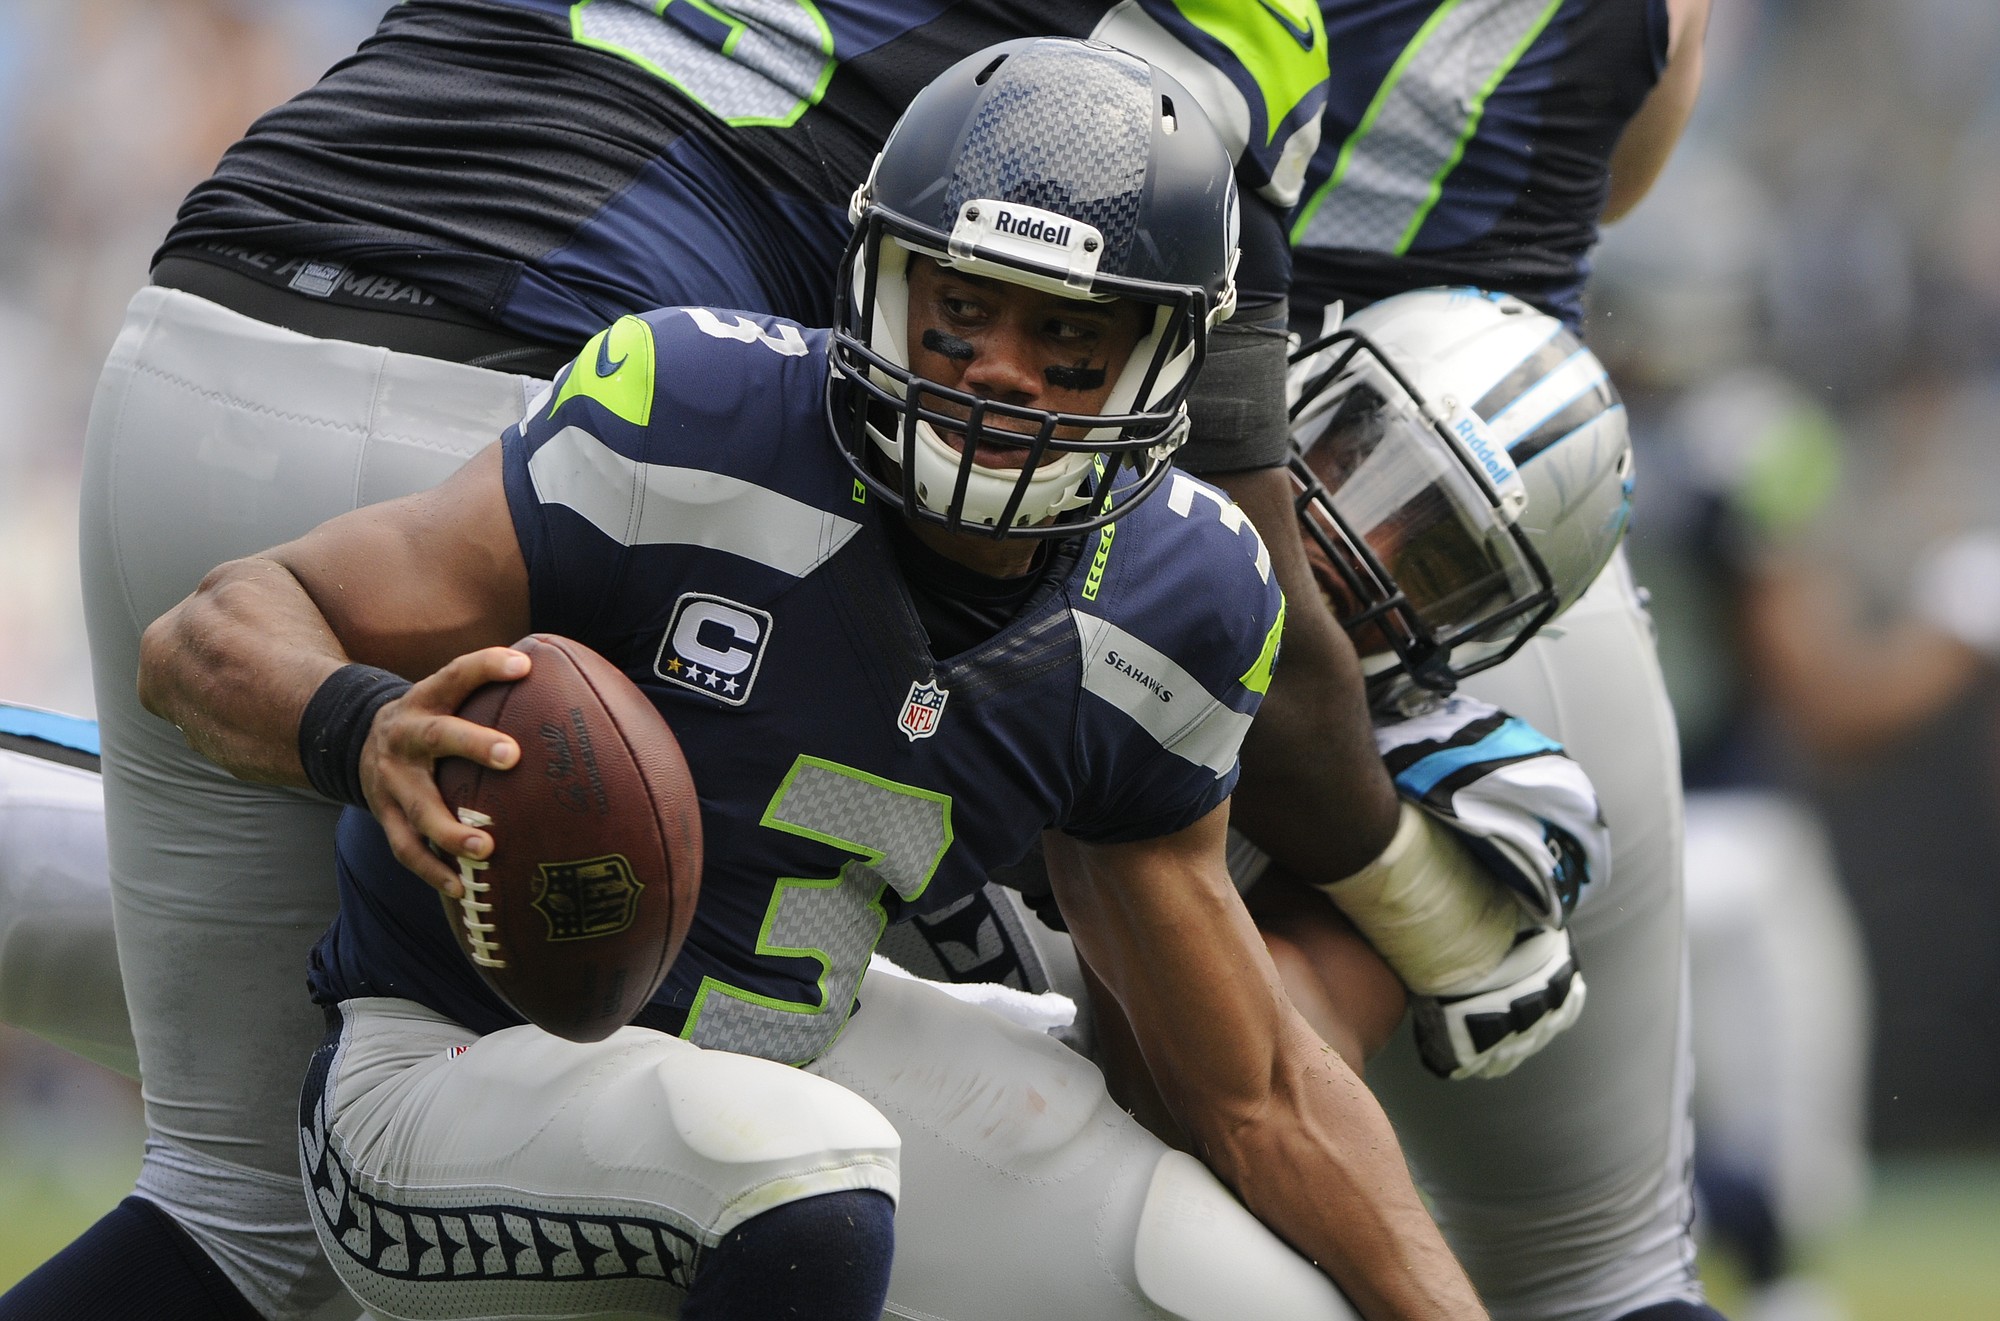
[960,608]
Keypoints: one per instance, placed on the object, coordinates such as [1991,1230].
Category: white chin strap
[1054,487]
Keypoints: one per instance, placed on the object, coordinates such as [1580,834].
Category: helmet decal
[1023,145]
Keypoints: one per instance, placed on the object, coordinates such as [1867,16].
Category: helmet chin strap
[1054,488]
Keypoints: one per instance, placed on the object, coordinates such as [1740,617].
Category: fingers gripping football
[409,737]
[590,835]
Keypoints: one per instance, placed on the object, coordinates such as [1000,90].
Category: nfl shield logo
[921,710]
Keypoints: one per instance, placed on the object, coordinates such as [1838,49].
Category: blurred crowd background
[1805,321]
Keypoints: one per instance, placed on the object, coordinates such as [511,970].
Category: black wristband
[335,727]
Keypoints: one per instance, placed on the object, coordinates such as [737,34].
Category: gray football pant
[213,436]
[1563,1187]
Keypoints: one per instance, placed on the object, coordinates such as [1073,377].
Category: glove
[1485,1028]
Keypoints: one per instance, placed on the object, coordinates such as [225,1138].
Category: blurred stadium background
[1805,320]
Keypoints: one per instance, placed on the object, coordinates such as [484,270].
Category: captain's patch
[714,646]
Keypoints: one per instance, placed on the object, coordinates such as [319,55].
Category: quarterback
[372,285]
[899,508]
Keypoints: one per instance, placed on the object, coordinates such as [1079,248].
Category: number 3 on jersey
[901,833]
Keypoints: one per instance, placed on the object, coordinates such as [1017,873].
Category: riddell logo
[1032,227]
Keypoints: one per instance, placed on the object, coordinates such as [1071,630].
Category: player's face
[1016,345]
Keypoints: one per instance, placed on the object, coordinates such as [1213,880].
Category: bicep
[411,583]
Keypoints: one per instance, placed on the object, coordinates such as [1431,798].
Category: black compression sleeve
[1237,404]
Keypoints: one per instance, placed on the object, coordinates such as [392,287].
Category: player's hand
[1487,1028]
[404,745]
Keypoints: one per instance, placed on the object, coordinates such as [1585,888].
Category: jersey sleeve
[1177,650]
[674,435]
[1258,69]
[575,473]
[1527,811]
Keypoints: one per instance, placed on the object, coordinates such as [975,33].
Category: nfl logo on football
[922,710]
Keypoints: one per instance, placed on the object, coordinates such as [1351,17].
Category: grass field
[1928,1246]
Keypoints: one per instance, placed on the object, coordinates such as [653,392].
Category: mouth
[989,453]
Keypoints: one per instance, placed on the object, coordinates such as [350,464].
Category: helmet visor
[1407,536]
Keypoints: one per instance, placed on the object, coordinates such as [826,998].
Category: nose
[1002,366]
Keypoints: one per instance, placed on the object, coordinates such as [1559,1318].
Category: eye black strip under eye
[1074,378]
[949,346]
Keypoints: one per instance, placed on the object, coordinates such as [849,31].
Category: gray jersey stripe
[780,54]
[1391,169]
[649,504]
[1166,701]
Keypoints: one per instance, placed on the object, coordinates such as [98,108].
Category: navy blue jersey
[683,508]
[1469,142]
[553,166]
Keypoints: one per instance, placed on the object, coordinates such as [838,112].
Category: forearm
[1273,1110]
[1648,140]
[1358,1217]
[1844,689]
[1314,793]
[234,665]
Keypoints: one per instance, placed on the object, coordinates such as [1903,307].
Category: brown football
[580,910]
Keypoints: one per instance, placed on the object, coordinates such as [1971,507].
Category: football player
[1480,144]
[919,503]
[363,295]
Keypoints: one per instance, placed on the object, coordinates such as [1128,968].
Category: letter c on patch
[704,624]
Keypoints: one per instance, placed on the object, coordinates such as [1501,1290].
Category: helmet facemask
[1068,483]
[1410,511]
[1071,169]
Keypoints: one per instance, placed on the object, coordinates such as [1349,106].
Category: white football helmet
[1463,473]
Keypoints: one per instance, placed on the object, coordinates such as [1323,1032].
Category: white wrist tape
[1428,908]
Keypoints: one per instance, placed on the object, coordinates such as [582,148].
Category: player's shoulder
[1184,577]
[1258,70]
[690,387]
[663,367]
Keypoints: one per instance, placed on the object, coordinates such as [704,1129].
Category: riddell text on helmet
[1032,227]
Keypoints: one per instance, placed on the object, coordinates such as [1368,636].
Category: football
[581,908]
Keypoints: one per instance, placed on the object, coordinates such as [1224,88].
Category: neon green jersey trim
[616,369]
[1258,680]
[1265,36]
[1095,580]
[871,855]
[1368,117]
[1476,113]
[724,54]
